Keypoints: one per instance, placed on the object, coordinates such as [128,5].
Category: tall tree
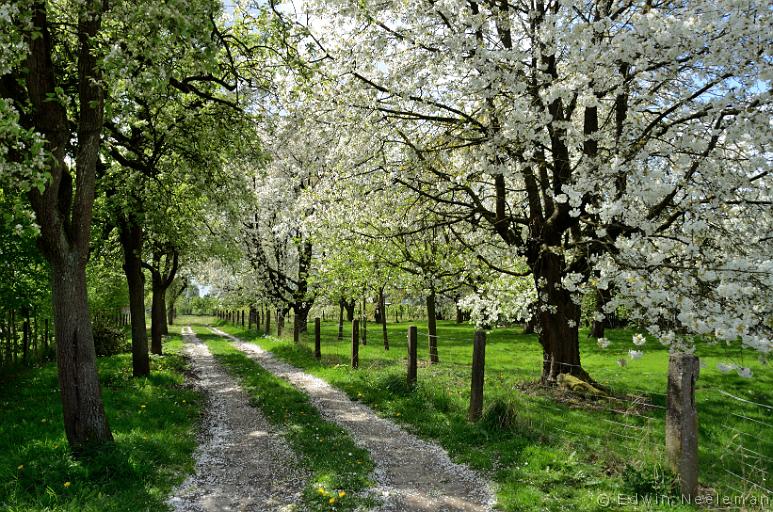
[63,207]
[583,136]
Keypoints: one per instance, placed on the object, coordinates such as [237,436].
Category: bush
[500,414]
[109,338]
[649,481]
[396,384]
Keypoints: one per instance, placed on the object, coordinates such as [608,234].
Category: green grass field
[153,421]
[547,450]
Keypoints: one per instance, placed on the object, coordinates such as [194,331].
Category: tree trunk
[382,302]
[559,319]
[25,344]
[377,310]
[349,307]
[280,322]
[85,422]
[432,327]
[7,330]
[161,279]
[14,337]
[268,321]
[364,330]
[530,326]
[163,317]
[64,211]
[598,326]
[253,318]
[130,235]
[157,316]
[341,319]
[301,318]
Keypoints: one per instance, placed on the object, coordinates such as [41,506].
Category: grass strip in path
[339,469]
[411,474]
[242,462]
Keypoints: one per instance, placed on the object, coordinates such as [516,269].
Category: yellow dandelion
[341,494]
[397,414]
[321,491]
[331,501]
[67,484]
[21,466]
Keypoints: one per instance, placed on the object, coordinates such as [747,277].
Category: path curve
[242,463]
[411,474]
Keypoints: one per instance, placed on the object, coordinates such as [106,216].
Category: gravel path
[411,474]
[242,463]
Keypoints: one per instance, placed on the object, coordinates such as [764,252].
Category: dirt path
[242,463]
[411,474]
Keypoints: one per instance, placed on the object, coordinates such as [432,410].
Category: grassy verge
[339,469]
[548,451]
[153,420]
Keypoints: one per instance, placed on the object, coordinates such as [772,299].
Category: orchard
[386,255]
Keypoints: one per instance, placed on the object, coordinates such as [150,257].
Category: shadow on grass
[153,421]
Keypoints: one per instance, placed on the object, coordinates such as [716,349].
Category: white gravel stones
[242,462]
[411,474]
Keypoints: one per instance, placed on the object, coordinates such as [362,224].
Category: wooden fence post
[355,344]
[478,365]
[317,346]
[412,342]
[682,421]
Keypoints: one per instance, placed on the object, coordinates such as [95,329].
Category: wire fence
[735,437]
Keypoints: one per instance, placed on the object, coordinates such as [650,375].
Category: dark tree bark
[162,273]
[432,327]
[382,303]
[349,307]
[302,301]
[300,319]
[280,321]
[25,344]
[253,318]
[171,310]
[64,210]
[8,345]
[131,235]
[461,316]
[531,324]
[559,322]
[377,310]
[341,319]
[364,330]
[598,327]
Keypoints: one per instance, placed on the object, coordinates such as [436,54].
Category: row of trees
[116,120]
[520,157]
[514,158]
